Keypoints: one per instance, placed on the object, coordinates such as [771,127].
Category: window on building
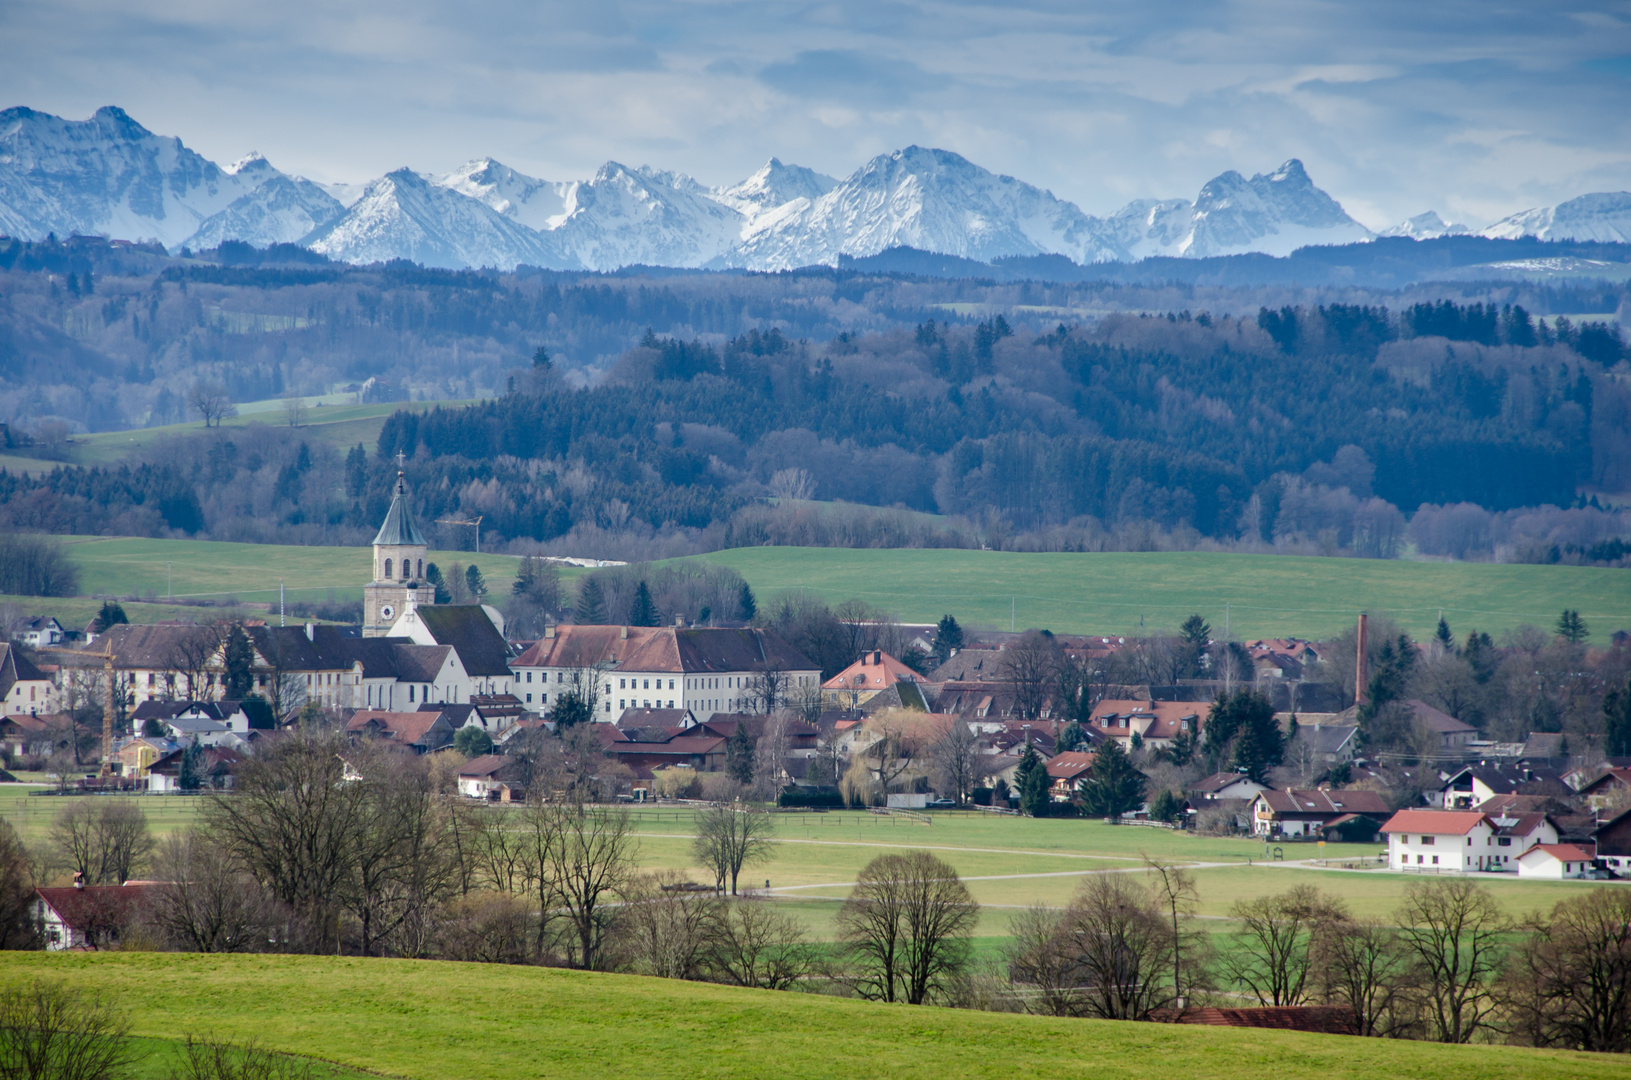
[410,692]
[387,569]
[1435,860]
[1427,839]
[421,565]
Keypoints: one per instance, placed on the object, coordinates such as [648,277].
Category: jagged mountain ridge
[110,175]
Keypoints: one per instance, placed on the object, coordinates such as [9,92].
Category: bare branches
[908,922]
[730,838]
[1453,929]
[49,1030]
[1273,960]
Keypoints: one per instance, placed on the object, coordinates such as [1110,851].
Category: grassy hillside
[1116,593]
[1111,593]
[443,1021]
[124,566]
[344,425]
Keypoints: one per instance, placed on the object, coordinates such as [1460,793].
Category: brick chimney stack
[1361,672]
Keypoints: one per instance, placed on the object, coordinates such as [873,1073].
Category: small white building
[1459,840]
[38,631]
[1556,862]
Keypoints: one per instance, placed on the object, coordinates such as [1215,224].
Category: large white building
[1464,840]
[705,670]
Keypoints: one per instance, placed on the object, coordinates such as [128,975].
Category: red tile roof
[1325,801]
[1070,765]
[1562,852]
[1436,822]
[107,905]
[875,670]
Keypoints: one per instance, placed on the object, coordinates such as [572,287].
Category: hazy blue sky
[1476,109]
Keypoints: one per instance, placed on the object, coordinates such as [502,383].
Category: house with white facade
[38,631]
[88,916]
[1556,862]
[475,634]
[1459,840]
[25,690]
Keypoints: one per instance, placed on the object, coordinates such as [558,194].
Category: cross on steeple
[401,460]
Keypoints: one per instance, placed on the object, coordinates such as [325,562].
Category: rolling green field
[1120,592]
[432,1020]
[1112,593]
[343,425]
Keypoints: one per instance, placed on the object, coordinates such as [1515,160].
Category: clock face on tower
[386,611]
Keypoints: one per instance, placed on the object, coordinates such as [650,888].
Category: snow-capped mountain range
[110,175]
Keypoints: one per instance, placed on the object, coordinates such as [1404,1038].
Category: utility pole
[280,602]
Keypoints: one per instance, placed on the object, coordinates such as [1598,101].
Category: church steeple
[399,564]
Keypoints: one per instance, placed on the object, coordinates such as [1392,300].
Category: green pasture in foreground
[1110,593]
[441,1021]
[1122,592]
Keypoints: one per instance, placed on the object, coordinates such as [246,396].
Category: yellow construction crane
[106,656]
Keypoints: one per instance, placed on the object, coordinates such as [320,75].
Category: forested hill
[1294,423]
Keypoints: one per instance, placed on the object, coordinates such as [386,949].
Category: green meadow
[1130,592]
[431,1020]
[1107,593]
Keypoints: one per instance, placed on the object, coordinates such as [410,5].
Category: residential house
[977,699]
[1460,840]
[1451,733]
[1225,785]
[421,732]
[875,672]
[1612,838]
[1330,744]
[1156,723]
[210,723]
[26,734]
[38,631]
[135,756]
[25,690]
[1296,813]
[1517,833]
[1556,861]
[1611,790]
[492,777]
[1468,787]
[802,737]
[1067,773]
[88,916]
[215,768]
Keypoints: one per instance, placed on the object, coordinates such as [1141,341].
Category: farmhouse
[38,631]
[1296,813]
[1610,789]
[492,776]
[420,732]
[1226,785]
[87,917]
[1067,773]
[1475,785]
[1613,840]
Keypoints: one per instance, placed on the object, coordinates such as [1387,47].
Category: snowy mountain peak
[537,204]
[1274,213]
[1428,226]
[775,184]
[253,159]
[1604,216]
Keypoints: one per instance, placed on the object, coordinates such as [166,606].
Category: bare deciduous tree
[1175,890]
[1119,942]
[1362,964]
[211,402]
[1453,929]
[585,858]
[957,761]
[1273,958]
[292,822]
[1036,960]
[730,838]
[907,923]
[1570,982]
[208,903]
[668,926]
[17,929]
[1031,666]
[753,944]
[50,1030]
[106,842]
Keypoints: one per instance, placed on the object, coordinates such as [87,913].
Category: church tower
[399,567]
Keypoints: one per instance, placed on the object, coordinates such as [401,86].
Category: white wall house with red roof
[1556,861]
[1459,840]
